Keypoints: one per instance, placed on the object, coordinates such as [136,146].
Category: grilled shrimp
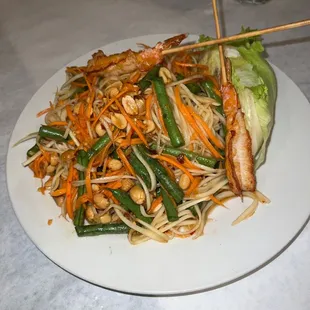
[239,158]
[129,60]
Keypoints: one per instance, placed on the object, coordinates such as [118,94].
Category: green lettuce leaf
[256,85]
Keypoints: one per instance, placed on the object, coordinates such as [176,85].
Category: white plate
[223,254]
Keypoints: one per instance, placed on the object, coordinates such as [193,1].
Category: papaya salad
[147,145]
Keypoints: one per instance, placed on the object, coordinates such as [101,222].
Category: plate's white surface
[223,254]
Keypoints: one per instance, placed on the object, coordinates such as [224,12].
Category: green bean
[161,174]
[35,149]
[51,133]
[170,206]
[98,146]
[208,87]
[173,130]
[101,229]
[193,87]
[206,161]
[129,205]
[193,210]
[79,215]
[140,169]
[146,81]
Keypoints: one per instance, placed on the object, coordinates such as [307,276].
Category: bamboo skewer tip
[255,33]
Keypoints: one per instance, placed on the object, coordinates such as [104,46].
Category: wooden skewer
[301,23]
[218,35]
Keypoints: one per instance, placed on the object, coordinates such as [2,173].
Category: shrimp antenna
[218,36]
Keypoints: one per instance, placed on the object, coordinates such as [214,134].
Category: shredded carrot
[45,154]
[49,222]
[104,153]
[59,192]
[81,200]
[140,124]
[114,185]
[69,206]
[83,94]
[131,122]
[148,107]
[133,141]
[190,65]
[38,166]
[108,194]
[58,124]
[161,119]
[83,133]
[215,82]
[135,77]
[155,204]
[77,84]
[169,171]
[174,163]
[217,142]
[125,161]
[193,186]
[186,113]
[217,201]
[44,111]
[81,109]
[189,165]
[119,172]
[42,190]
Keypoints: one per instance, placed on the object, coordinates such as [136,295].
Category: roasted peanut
[115,164]
[137,194]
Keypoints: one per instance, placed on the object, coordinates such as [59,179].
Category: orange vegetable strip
[217,201]
[104,153]
[161,119]
[217,142]
[83,132]
[81,200]
[131,122]
[69,206]
[190,65]
[193,186]
[59,192]
[216,84]
[169,171]
[189,165]
[133,141]
[118,172]
[174,163]
[135,77]
[77,84]
[125,161]
[148,107]
[155,204]
[114,185]
[186,113]
[44,111]
[58,123]
[108,194]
